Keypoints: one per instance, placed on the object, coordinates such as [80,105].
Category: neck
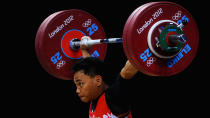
[101,90]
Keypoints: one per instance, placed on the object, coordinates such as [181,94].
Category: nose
[78,91]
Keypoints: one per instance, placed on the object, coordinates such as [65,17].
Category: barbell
[159,39]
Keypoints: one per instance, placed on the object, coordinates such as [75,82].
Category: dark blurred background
[36,93]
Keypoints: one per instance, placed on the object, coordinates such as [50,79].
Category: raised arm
[128,71]
[118,94]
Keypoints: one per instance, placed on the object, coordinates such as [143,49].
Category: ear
[99,80]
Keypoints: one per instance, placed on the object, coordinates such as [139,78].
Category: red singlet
[102,110]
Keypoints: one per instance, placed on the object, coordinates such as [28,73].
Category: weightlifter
[106,101]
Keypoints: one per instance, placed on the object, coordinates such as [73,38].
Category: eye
[80,84]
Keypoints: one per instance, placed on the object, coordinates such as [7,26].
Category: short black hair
[91,66]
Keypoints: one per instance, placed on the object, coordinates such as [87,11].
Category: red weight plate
[135,36]
[53,41]
[125,42]
[127,29]
[40,34]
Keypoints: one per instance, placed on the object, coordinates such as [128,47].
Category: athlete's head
[88,77]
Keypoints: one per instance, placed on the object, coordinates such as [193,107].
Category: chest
[101,109]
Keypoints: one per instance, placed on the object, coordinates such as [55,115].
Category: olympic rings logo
[150,61]
[87,23]
[177,15]
[60,64]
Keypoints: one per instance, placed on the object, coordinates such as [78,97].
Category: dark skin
[90,88]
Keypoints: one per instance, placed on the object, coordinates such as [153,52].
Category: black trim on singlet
[118,96]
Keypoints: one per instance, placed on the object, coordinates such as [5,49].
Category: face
[87,87]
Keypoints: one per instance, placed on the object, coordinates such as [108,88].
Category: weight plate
[127,29]
[40,34]
[135,39]
[53,38]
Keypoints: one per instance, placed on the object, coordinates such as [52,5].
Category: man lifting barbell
[92,86]
[156,41]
